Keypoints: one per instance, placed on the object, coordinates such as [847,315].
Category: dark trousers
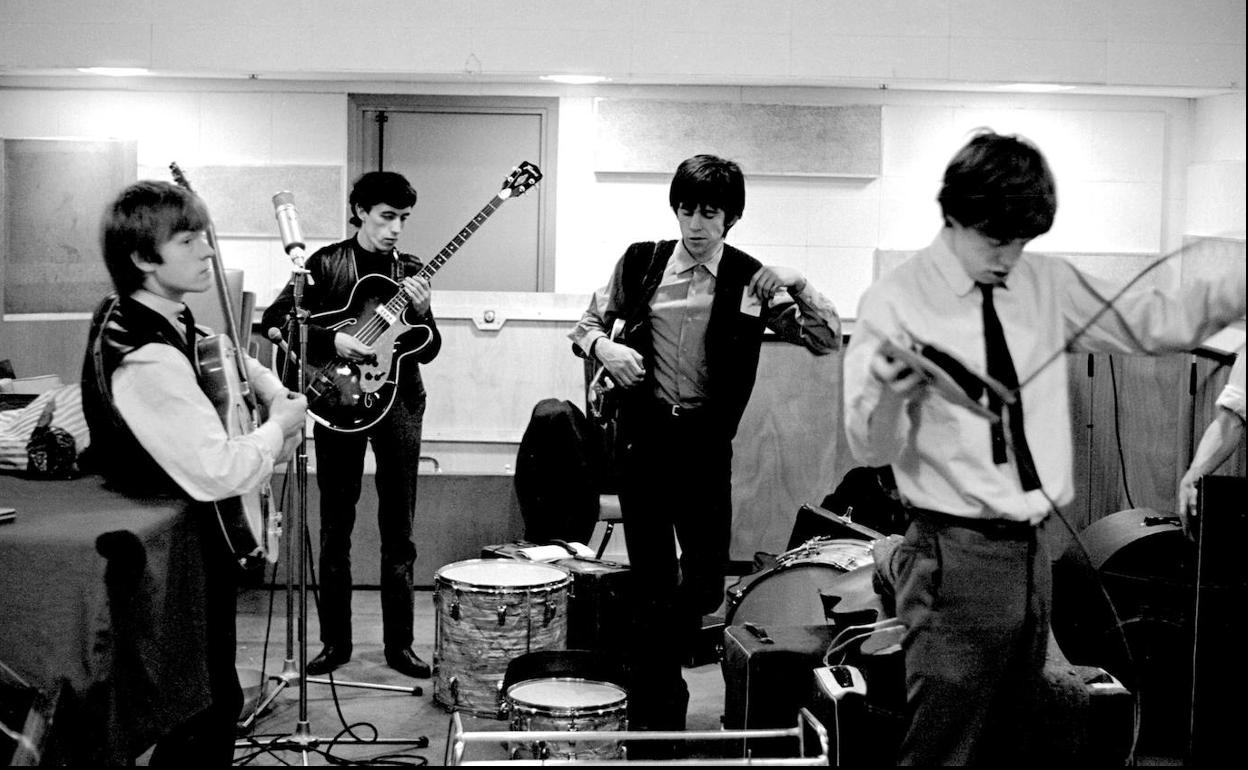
[975,600]
[208,737]
[339,476]
[676,485]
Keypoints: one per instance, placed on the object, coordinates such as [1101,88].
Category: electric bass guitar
[351,396]
[247,522]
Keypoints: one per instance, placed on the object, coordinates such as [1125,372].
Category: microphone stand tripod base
[414,690]
[290,673]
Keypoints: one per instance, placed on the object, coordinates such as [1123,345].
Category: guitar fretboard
[460,238]
[398,303]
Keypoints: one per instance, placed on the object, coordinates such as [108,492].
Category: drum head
[788,597]
[789,594]
[565,694]
[501,573]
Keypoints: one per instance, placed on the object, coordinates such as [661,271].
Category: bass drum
[1140,561]
[791,593]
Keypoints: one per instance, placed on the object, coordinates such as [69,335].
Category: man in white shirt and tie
[974,584]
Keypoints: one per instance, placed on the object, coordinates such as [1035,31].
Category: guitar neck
[400,300]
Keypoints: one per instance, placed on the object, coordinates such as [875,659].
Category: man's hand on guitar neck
[622,362]
[418,290]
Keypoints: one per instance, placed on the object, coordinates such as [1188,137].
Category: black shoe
[406,662]
[330,658]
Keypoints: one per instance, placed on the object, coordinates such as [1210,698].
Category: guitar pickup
[385,314]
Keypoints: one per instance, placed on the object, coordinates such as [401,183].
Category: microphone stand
[302,739]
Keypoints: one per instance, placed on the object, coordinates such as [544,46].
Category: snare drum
[788,594]
[560,703]
[489,611]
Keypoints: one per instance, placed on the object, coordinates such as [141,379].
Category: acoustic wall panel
[648,136]
[54,193]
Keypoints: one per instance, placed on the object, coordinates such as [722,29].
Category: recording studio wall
[1131,171]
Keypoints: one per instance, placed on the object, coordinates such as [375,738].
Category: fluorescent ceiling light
[114,72]
[576,80]
[1036,88]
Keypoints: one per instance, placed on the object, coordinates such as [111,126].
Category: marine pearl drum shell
[567,704]
[488,612]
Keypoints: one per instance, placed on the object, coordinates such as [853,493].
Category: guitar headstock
[520,179]
[178,177]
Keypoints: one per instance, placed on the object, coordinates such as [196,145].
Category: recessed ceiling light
[115,72]
[575,80]
[1035,88]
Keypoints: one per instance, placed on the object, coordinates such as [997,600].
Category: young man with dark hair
[155,433]
[694,310]
[974,583]
[380,203]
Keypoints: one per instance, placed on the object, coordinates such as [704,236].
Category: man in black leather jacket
[380,204]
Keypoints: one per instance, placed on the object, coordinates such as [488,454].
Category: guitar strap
[648,285]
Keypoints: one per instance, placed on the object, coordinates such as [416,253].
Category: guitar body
[351,396]
[604,395]
[246,521]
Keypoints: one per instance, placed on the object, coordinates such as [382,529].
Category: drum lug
[549,614]
[502,614]
[500,700]
[454,610]
[453,684]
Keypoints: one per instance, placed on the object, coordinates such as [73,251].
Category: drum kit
[490,612]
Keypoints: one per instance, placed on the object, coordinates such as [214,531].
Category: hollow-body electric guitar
[248,523]
[351,396]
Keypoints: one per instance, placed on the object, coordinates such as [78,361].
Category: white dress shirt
[941,453]
[1232,395]
[157,393]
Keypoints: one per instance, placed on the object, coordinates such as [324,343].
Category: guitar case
[558,467]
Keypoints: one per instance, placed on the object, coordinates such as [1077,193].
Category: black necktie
[1001,368]
[188,324]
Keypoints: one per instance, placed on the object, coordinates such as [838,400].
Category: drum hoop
[796,555]
[602,708]
[554,583]
[479,588]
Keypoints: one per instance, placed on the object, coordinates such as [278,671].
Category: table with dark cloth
[101,609]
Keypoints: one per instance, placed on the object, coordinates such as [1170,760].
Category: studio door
[457,161]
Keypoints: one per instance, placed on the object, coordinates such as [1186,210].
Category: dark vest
[119,327]
[733,338]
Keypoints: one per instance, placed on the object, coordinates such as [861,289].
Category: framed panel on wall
[54,193]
